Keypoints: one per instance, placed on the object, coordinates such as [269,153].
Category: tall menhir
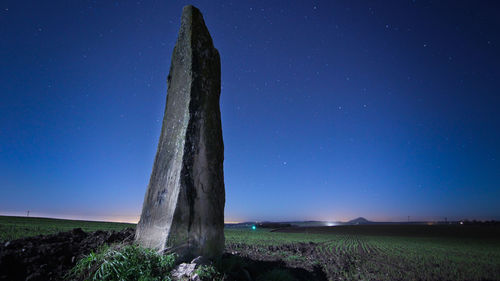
[184,204]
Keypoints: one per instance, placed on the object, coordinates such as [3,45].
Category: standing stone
[184,204]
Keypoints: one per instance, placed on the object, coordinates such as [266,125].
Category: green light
[254,227]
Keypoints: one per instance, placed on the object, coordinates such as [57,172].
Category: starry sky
[330,109]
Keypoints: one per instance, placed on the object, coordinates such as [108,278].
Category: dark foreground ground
[49,257]
[372,252]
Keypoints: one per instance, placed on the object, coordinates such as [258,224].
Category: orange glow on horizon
[117,219]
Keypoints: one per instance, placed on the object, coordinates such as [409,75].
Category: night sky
[330,109]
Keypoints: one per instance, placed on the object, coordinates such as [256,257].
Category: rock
[183,208]
[195,277]
[187,271]
[183,271]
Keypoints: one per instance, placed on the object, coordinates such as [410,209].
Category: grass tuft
[123,262]
[208,272]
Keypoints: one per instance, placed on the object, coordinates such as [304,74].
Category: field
[370,253]
[19,227]
[378,252]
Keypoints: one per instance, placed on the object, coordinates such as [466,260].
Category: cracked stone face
[183,207]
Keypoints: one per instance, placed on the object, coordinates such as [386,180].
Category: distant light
[461,222]
[254,227]
[331,224]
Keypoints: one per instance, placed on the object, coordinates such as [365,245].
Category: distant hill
[359,220]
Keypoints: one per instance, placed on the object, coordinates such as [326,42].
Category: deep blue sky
[330,109]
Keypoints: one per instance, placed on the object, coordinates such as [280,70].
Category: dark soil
[242,267]
[49,257]
[297,258]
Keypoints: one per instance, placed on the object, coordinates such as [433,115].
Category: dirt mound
[49,257]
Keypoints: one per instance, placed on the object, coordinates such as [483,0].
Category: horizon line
[236,222]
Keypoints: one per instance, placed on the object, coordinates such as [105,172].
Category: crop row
[370,257]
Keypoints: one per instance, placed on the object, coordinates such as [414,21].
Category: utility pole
[28,214]
[408,218]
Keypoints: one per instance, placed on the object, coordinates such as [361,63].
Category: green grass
[19,227]
[265,237]
[208,272]
[118,262]
[381,257]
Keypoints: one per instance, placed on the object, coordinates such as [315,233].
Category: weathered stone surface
[183,271]
[184,204]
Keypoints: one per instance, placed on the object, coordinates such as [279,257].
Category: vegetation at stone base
[19,227]
[119,262]
[208,272]
[134,263]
